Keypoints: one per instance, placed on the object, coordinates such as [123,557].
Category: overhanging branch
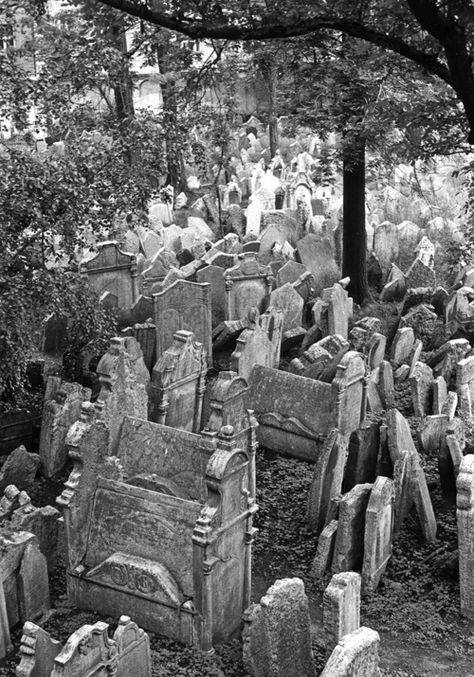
[274,30]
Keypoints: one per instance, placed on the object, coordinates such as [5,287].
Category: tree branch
[267,30]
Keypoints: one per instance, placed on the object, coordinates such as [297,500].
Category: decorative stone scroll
[178,384]
[183,305]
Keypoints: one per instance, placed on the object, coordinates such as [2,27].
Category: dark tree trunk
[273,134]
[123,87]
[354,248]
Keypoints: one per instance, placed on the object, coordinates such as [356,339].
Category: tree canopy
[437,35]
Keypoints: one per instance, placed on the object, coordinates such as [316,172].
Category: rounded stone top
[227,430]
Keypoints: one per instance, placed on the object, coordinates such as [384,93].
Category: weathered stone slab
[420,275]
[376,350]
[465,523]
[276,635]
[440,395]
[411,488]
[248,284]
[421,386]
[341,607]
[327,479]
[361,465]
[290,272]
[184,305]
[33,584]
[349,546]
[178,384]
[317,255]
[287,299]
[122,390]
[356,655]
[114,271]
[214,275]
[402,346]
[259,344]
[59,413]
[19,469]
[88,651]
[398,433]
[378,532]
[386,245]
[325,550]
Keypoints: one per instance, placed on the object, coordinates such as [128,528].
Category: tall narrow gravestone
[465,520]
[341,607]
[378,532]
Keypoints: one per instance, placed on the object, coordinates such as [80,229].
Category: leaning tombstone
[325,550]
[276,635]
[348,548]
[378,533]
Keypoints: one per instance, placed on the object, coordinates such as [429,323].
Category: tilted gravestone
[378,532]
[348,548]
[183,305]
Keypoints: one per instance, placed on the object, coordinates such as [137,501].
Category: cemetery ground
[415,609]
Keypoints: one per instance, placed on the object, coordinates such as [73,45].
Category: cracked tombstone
[378,533]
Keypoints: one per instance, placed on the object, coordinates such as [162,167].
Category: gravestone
[317,255]
[420,275]
[59,413]
[290,272]
[273,233]
[122,392]
[5,641]
[247,285]
[440,395]
[465,383]
[376,350]
[356,655]
[214,275]
[157,270]
[421,386]
[226,405]
[378,533]
[341,607]
[398,434]
[178,384]
[19,469]
[325,550]
[183,305]
[386,245]
[276,635]
[33,584]
[411,488]
[88,651]
[362,455]
[254,216]
[465,524]
[115,271]
[259,344]
[349,548]
[327,479]
[287,299]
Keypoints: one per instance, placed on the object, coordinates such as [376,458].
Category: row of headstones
[396,243]
[29,543]
[277,632]
[89,650]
